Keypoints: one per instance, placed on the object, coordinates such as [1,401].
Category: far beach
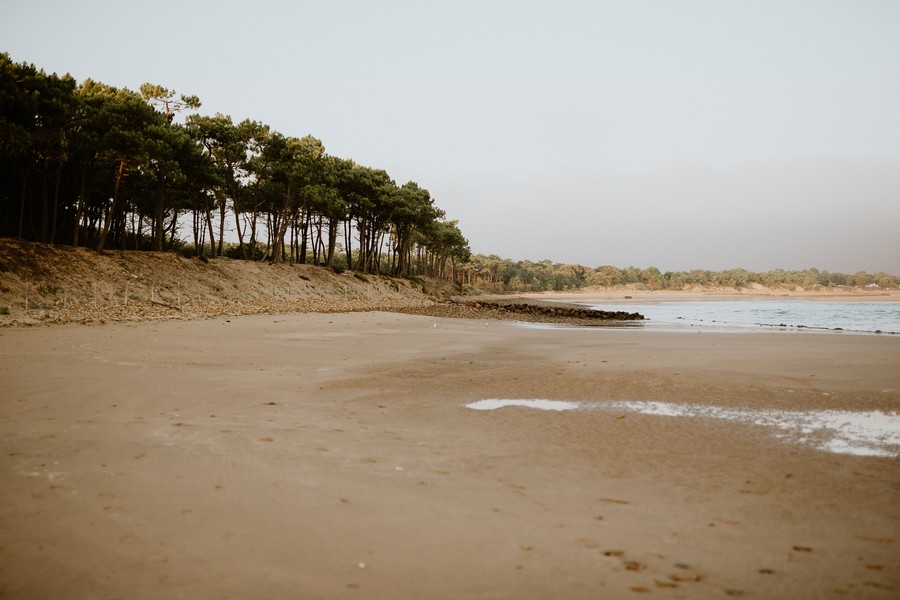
[334,456]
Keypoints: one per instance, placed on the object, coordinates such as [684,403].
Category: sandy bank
[42,285]
[323,456]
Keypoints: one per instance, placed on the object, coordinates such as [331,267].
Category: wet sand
[332,456]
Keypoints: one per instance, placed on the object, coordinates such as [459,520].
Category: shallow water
[492,404]
[861,433]
[789,313]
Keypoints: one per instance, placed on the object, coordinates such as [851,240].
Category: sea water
[867,317]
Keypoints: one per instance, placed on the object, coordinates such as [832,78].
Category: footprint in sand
[518,489]
[612,501]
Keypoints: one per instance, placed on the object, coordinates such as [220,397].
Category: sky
[692,134]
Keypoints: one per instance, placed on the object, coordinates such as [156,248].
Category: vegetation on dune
[88,164]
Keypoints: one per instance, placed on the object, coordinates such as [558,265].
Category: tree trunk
[45,202]
[159,214]
[222,211]
[332,243]
[114,205]
[79,207]
[55,204]
[173,229]
[347,240]
[253,217]
[281,227]
[212,237]
[22,196]
[304,236]
[237,228]
[138,232]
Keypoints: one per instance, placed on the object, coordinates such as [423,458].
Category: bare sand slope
[332,456]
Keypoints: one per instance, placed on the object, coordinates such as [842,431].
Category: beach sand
[333,456]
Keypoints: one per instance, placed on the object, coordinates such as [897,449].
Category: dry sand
[332,456]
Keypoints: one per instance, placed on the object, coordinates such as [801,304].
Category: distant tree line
[88,164]
[494,274]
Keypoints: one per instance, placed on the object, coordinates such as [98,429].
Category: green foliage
[4,310]
[338,269]
[361,277]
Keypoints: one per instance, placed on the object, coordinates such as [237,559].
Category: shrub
[4,310]
[361,277]
[338,269]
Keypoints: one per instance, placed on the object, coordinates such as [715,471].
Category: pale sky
[678,134]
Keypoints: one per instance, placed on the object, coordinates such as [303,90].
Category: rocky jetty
[519,309]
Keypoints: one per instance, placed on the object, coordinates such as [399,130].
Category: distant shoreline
[756,293]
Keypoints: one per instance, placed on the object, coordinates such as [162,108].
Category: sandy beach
[333,456]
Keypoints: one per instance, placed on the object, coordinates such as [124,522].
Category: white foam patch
[493,404]
[864,433]
[861,433]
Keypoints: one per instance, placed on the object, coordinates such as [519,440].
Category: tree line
[89,164]
[492,273]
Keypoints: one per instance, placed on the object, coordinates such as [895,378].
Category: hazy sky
[680,134]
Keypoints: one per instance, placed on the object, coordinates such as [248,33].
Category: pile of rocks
[517,309]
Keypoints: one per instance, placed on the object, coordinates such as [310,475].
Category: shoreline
[637,296]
